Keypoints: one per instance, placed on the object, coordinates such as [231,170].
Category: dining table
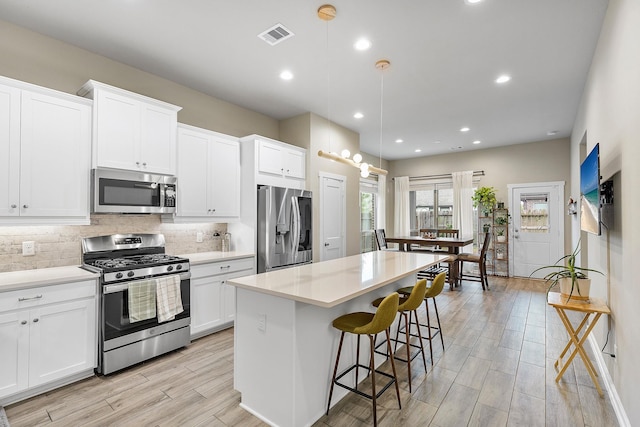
[451,244]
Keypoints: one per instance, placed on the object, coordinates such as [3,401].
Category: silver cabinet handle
[29,298]
[224,267]
[13,206]
[24,322]
[326,244]
[25,206]
[144,164]
[138,164]
[36,320]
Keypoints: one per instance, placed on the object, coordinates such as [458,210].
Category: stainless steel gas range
[134,269]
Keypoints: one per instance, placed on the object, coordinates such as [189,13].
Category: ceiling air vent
[276,34]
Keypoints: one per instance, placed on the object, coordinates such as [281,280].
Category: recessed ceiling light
[464,129]
[358,115]
[437,142]
[552,132]
[399,141]
[418,150]
[362,44]
[286,75]
[503,79]
[472,1]
[477,141]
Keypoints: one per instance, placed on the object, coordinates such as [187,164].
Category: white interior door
[332,216]
[538,226]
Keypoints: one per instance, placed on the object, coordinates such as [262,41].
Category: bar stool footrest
[361,393]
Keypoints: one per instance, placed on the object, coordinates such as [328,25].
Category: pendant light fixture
[327,13]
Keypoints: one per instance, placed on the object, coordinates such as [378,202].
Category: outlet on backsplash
[28,248]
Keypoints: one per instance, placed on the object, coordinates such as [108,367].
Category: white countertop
[205,257]
[329,283]
[15,280]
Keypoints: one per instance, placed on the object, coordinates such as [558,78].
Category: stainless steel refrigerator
[284,228]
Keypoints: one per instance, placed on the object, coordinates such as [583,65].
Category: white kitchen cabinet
[208,175]
[282,160]
[45,155]
[49,334]
[132,131]
[212,299]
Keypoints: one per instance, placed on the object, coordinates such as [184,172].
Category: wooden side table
[593,306]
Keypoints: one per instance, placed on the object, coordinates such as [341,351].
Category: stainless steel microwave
[122,191]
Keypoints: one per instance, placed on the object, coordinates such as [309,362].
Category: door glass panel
[534,213]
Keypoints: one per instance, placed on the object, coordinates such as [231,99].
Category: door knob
[326,244]
[36,320]
[25,206]
[24,322]
[13,206]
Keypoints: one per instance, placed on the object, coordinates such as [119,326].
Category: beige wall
[515,164]
[608,115]
[37,59]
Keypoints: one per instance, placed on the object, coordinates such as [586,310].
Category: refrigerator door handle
[295,237]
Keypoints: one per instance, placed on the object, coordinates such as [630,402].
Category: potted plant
[486,227]
[500,237]
[485,196]
[569,277]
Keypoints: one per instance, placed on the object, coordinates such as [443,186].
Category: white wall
[609,115]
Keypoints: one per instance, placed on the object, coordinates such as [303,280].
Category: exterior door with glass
[538,226]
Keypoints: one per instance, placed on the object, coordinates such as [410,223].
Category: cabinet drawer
[31,297]
[222,267]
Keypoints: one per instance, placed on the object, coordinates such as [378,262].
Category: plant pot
[501,239]
[486,228]
[580,291]
[500,255]
[500,205]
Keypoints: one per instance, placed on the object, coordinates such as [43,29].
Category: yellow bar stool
[432,292]
[370,324]
[408,306]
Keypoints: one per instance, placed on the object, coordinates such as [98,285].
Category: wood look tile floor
[496,370]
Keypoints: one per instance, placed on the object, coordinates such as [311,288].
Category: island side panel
[264,359]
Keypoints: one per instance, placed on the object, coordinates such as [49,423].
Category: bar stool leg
[393,367]
[373,378]
[435,305]
[335,372]
[426,306]
[424,360]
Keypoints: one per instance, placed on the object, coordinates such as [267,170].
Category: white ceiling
[445,56]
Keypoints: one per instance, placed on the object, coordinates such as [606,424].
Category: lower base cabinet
[46,335]
[213,301]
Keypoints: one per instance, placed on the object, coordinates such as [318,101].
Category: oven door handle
[119,287]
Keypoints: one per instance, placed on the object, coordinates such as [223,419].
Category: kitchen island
[284,343]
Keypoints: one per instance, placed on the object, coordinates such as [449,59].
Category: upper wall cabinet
[132,131]
[45,141]
[276,163]
[208,175]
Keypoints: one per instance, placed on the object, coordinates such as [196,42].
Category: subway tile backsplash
[58,246]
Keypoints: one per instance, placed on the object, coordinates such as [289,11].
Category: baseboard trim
[621,414]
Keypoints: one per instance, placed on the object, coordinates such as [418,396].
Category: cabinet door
[62,340]
[294,164]
[206,304]
[193,165]
[14,357]
[224,178]
[9,151]
[270,158]
[158,140]
[54,160]
[117,130]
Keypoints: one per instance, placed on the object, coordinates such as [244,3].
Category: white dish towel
[168,297]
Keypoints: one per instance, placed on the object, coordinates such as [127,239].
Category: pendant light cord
[328,92]
[381,115]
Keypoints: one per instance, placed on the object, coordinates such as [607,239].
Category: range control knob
[179,267]
[130,274]
[118,275]
[170,268]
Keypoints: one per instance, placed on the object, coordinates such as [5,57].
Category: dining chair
[381,239]
[480,259]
